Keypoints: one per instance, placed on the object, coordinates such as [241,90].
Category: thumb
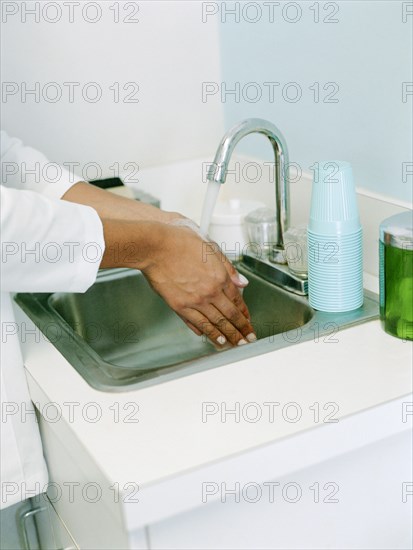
[237,278]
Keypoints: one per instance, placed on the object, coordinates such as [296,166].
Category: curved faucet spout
[218,171]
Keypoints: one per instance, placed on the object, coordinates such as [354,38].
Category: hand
[200,284]
[193,276]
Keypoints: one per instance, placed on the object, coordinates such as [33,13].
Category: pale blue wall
[368,53]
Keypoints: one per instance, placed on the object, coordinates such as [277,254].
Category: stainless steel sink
[120,334]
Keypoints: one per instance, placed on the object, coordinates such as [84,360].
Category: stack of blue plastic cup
[335,247]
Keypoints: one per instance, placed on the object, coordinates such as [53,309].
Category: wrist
[132,244]
[169,217]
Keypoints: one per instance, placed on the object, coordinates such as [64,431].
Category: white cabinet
[360,500]
[94,520]
[52,532]
[353,499]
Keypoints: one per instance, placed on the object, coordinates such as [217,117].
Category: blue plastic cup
[330,252]
[335,248]
[334,208]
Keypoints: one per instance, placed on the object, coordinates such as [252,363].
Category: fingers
[235,297]
[235,317]
[231,312]
[191,326]
[202,325]
[221,322]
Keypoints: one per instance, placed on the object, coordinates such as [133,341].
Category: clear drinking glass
[295,246]
[262,228]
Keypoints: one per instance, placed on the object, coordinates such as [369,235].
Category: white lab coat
[34,219]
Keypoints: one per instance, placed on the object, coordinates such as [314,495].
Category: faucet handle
[277,254]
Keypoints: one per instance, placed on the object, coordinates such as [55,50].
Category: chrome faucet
[218,171]
[270,268]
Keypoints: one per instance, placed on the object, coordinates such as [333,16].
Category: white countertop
[362,372]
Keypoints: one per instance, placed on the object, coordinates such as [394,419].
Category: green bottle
[396,275]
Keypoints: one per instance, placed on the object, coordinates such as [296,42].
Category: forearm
[131,244]
[113,207]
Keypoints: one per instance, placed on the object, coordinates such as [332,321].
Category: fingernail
[251,337]
[243,280]
[242,342]
[221,340]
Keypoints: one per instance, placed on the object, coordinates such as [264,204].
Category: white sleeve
[48,245]
[26,168]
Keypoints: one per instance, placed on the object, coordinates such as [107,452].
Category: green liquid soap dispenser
[396,275]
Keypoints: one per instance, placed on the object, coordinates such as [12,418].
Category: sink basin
[120,334]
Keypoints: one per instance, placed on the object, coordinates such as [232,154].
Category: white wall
[176,46]
[363,47]
[168,53]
